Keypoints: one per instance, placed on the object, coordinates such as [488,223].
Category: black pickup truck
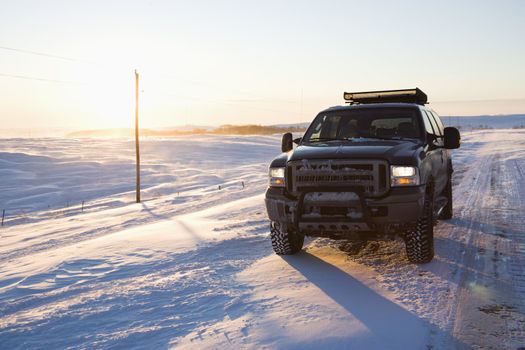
[378,167]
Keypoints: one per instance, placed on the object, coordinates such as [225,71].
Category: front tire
[419,241]
[285,242]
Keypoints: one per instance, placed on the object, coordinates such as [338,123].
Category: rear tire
[447,211]
[285,242]
[419,241]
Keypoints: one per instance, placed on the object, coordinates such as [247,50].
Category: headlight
[277,177]
[404,176]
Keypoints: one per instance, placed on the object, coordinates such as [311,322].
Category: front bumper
[393,213]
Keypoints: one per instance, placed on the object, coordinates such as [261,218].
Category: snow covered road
[196,270]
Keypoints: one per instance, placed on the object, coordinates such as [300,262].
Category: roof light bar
[406,96]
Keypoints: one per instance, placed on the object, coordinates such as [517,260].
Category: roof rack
[406,96]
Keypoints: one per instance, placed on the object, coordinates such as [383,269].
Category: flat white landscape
[192,266]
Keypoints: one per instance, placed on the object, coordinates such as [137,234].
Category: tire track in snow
[488,312]
[452,237]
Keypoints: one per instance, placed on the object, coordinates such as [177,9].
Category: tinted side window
[439,122]
[434,124]
[426,121]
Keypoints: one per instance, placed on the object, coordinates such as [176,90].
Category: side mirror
[431,138]
[287,142]
[452,138]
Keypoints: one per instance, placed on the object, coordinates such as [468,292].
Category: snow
[192,266]
[50,173]
[330,197]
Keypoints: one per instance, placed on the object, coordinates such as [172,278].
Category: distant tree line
[255,129]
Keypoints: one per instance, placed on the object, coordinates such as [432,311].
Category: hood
[394,151]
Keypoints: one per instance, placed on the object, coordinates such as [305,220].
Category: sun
[104,99]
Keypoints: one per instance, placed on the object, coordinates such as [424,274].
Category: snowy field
[192,266]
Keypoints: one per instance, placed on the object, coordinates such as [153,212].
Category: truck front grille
[369,177]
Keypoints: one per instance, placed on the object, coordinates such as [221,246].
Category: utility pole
[137,151]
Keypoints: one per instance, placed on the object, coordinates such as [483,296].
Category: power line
[219,102]
[163,76]
[70,59]
[29,52]
[257,99]
[25,77]
[65,58]
[215,86]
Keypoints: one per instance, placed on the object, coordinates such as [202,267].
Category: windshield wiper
[395,138]
[321,139]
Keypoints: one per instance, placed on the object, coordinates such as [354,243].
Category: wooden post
[137,133]
[82,206]
[3,215]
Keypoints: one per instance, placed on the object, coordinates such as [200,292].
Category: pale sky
[251,62]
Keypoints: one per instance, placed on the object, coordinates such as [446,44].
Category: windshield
[381,123]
